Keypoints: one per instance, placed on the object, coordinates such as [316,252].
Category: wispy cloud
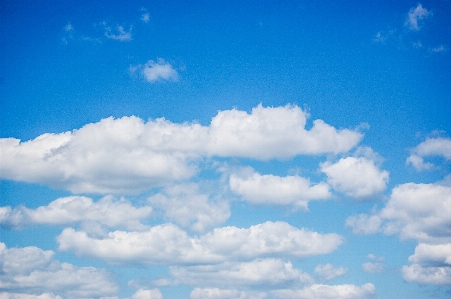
[415,15]
[118,33]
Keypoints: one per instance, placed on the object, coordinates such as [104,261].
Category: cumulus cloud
[32,270]
[414,211]
[271,189]
[147,294]
[440,147]
[7,295]
[321,291]
[415,15]
[432,254]
[156,71]
[168,244]
[261,273]
[216,293]
[329,271]
[129,156]
[371,267]
[69,210]
[356,177]
[427,275]
[188,207]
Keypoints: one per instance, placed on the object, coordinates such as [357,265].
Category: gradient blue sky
[225,149]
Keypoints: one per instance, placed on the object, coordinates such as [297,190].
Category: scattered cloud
[129,156]
[216,293]
[168,244]
[118,33]
[186,206]
[371,267]
[427,275]
[439,49]
[328,271]
[271,189]
[32,270]
[261,273]
[147,294]
[145,16]
[356,177]
[321,291]
[415,15]
[156,71]
[440,147]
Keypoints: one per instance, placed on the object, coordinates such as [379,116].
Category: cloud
[321,291]
[69,210]
[432,254]
[427,275]
[129,156]
[32,270]
[329,271]
[7,295]
[216,293]
[261,273]
[167,244]
[415,15]
[156,71]
[118,33]
[371,267]
[414,211]
[147,294]
[356,177]
[271,189]
[440,147]
[187,207]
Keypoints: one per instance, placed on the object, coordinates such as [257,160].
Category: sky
[225,149]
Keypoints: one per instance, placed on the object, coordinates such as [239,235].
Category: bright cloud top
[70,210]
[356,177]
[127,155]
[31,269]
[440,147]
[271,189]
[167,244]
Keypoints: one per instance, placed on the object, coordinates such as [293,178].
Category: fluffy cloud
[430,147]
[271,189]
[356,177]
[156,71]
[68,210]
[126,155]
[215,293]
[187,207]
[261,272]
[167,244]
[32,270]
[427,275]
[5,295]
[415,15]
[432,254]
[147,294]
[414,211]
[329,271]
[320,291]
[371,267]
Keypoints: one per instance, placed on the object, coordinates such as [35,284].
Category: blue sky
[225,149]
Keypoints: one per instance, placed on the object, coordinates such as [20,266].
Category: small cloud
[380,38]
[154,71]
[415,15]
[68,27]
[329,272]
[372,268]
[439,49]
[119,33]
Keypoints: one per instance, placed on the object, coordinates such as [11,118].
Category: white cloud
[261,273]
[427,275]
[414,211]
[321,291]
[187,207]
[329,271]
[147,294]
[145,17]
[215,293]
[6,295]
[415,15]
[68,210]
[432,254]
[271,189]
[128,156]
[156,71]
[356,177]
[167,244]
[32,270]
[119,33]
[440,147]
